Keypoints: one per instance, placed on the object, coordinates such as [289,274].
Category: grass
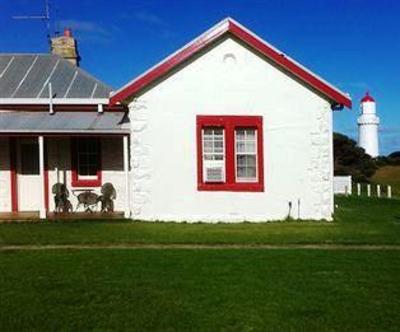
[357,221]
[200,290]
[206,289]
[388,175]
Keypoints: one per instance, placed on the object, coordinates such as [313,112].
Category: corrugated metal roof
[28,76]
[63,122]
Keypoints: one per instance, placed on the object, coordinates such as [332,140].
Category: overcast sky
[354,44]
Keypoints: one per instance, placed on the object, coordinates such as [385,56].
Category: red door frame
[14,175]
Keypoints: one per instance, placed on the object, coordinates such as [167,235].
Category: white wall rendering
[230,79]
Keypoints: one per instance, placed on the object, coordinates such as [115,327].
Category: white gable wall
[231,80]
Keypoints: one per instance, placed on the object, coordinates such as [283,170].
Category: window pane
[240,146]
[241,160]
[241,172]
[208,132]
[251,160]
[92,170]
[213,154]
[240,134]
[250,134]
[251,172]
[250,147]
[218,132]
[82,170]
[213,144]
[88,156]
[208,146]
[219,144]
[246,154]
[218,147]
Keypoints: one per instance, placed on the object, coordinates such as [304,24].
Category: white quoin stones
[368,124]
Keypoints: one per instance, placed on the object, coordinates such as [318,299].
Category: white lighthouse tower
[368,124]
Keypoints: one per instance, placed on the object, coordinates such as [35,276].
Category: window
[213,154]
[230,153]
[86,162]
[246,155]
[213,144]
[88,157]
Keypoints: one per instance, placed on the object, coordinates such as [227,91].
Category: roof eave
[55,101]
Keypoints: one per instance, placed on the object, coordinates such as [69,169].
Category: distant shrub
[349,159]
[394,158]
[395,155]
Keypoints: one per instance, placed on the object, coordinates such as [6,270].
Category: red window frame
[230,124]
[76,181]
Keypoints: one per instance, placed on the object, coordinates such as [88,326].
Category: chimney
[66,47]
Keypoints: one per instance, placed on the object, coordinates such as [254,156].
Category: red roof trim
[230,26]
[169,63]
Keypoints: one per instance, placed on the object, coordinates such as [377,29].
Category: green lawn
[357,221]
[206,289]
[200,290]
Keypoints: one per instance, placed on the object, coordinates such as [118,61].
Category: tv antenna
[44,17]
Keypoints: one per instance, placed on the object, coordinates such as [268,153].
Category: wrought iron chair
[107,197]
[61,201]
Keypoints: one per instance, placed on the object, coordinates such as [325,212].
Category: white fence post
[368,190]
[378,190]
[359,189]
[389,191]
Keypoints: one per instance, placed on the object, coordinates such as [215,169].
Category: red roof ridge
[229,25]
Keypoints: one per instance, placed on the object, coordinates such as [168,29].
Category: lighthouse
[368,124]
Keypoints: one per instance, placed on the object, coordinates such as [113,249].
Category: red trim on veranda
[230,123]
[222,28]
[75,181]
[13,174]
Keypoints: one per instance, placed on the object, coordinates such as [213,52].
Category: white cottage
[56,128]
[228,128]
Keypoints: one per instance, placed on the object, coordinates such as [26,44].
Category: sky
[353,44]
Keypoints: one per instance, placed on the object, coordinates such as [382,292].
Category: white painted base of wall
[218,219]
